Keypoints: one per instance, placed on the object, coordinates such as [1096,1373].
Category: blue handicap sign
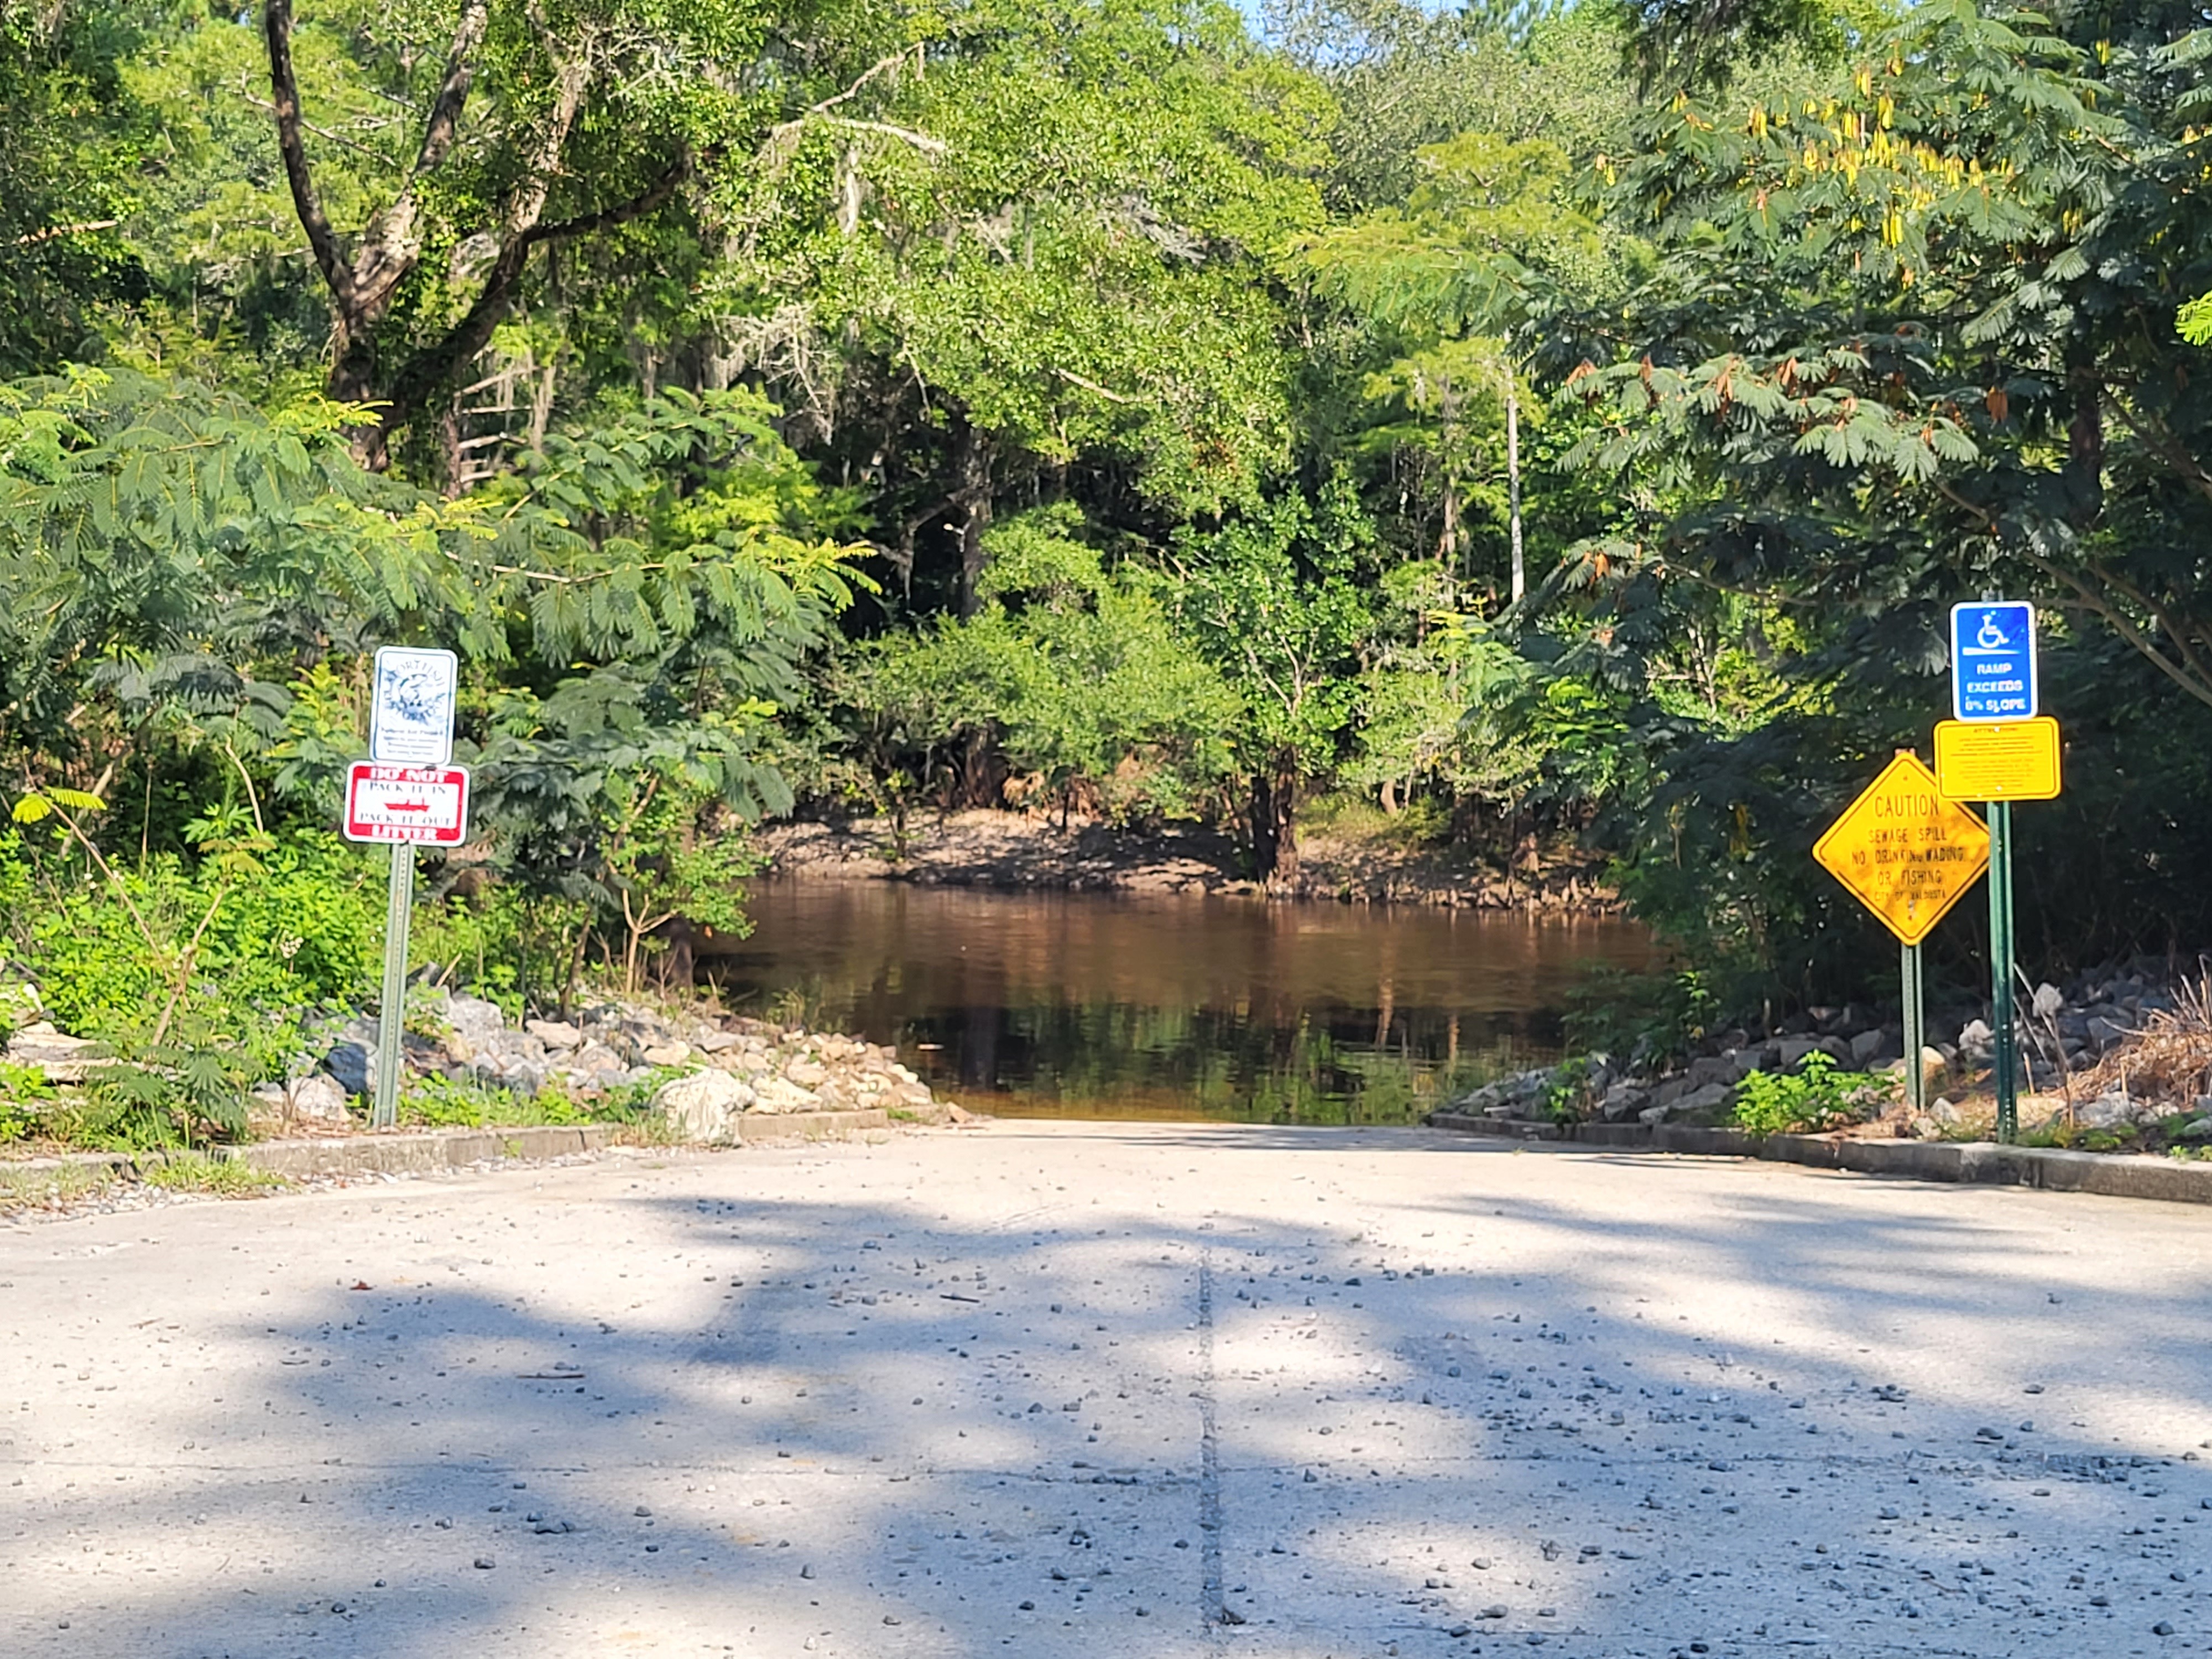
[1993,660]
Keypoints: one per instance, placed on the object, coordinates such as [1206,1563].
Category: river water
[1085,1005]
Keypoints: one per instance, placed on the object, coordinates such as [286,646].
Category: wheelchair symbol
[1991,637]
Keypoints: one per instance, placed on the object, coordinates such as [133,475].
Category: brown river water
[1085,1005]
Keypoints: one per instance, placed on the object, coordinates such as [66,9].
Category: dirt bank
[1014,851]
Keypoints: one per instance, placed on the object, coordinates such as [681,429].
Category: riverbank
[476,1087]
[1016,852]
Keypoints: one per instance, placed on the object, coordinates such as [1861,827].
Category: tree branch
[428,369]
[2125,626]
[1111,397]
[51,232]
[438,132]
[284,92]
[2166,446]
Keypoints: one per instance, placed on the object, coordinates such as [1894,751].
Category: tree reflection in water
[1086,1005]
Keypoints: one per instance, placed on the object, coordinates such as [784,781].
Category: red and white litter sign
[425,804]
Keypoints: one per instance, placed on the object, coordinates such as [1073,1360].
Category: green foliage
[439,1102]
[2195,320]
[1074,673]
[1399,402]
[216,1177]
[1645,1018]
[24,1095]
[1568,1095]
[1814,1098]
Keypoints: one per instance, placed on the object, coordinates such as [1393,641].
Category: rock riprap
[2123,1049]
[728,1066]
[710,1070]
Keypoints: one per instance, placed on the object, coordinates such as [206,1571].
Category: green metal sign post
[1915,1029]
[2005,1060]
[391,1011]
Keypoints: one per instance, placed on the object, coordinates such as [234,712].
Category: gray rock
[319,1098]
[776,1094]
[519,1045]
[668,1053]
[1943,1111]
[1977,1041]
[474,1018]
[2200,1129]
[2106,1032]
[2046,1002]
[2107,1112]
[554,1033]
[1792,1050]
[1728,1067]
[61,1058]
[351,1065]
[1624,1100]
[1711,1097]
[716,1042]
[1870,1048]
[595,1059]
[704,1107]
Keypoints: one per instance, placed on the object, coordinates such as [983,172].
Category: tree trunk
[1513,479]
[1273,821]
[364,273]
[973,493]
[2084,444]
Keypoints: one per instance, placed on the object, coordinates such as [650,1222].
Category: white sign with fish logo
[411,707]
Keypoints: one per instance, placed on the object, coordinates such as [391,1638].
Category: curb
[764,1128]
[453,1149]
[1979,1162]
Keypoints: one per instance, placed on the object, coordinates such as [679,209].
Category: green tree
[67,156]
[1278,599]
[1059,261]
[1070,673]
[1485,237]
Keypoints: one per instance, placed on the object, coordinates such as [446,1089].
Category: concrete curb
[1504,1128]
[1982,1162]
[762,1128]
[455,1149]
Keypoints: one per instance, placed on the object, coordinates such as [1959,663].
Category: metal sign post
[401,806]
[1915,1028]
[391,1010]
[2014,758]
[2006,1059]
[404,793]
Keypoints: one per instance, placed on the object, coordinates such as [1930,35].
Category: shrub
[1817,1096]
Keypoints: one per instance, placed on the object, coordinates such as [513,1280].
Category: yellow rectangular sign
[1905,852]
[1997,760]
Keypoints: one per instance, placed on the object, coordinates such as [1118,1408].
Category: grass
[54,1186]
[218,1177]
[439,1102]
[1354,819]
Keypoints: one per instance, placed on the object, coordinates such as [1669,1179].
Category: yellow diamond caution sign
[1905,852]
[1997,760]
